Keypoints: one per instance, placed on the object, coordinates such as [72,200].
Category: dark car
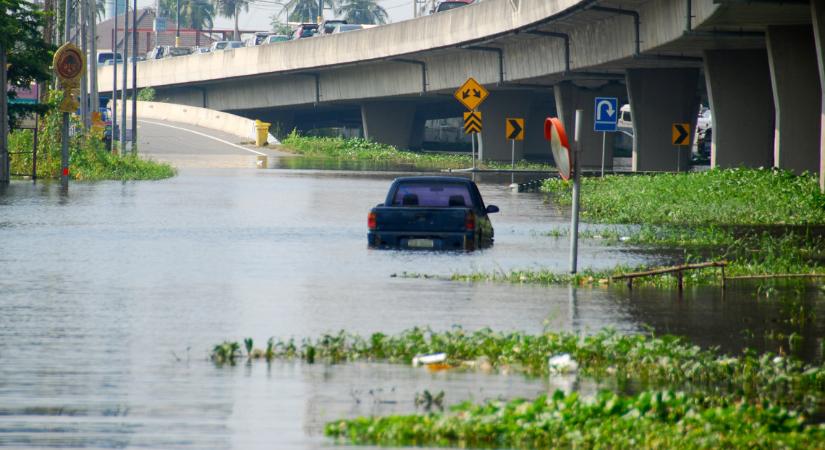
[435,213]
[328,26]
[305,30]
[450,4]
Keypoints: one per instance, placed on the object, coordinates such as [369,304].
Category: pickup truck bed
[437,213]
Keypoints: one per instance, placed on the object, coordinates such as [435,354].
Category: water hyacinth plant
[655,362]
[653,419]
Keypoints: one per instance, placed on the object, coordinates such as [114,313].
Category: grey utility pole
[84,80]
[134,76]
[177,24]
[64,142]
[5,166]
[574,217]
[95,100]
[114,78]
[125,93]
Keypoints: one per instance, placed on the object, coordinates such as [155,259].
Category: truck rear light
[470,221]
[371,222]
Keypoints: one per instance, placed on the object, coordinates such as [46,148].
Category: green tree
[280,27]
[302,10]
[194,14]
[362,11]
[232,9]
[26,52]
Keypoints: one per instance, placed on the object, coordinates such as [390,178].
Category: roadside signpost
[606,118]
[680,136]
[560,146]
[69,65]
[471,94]
[514,131]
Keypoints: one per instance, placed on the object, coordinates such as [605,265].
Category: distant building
[147,39]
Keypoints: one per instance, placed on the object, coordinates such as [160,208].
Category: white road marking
[204,135]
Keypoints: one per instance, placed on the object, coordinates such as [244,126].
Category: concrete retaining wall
[201,117]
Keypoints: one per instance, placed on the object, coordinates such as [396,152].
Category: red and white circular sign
[554,132]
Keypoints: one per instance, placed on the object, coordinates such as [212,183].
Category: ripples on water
[112,295]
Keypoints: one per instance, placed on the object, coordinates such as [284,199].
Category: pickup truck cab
[433,213]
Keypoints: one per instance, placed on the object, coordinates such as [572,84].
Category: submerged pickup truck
[437,213]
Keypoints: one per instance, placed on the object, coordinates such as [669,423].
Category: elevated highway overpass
[759,63]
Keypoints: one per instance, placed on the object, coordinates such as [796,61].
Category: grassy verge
[363,150]
[88,157]
[760,221]
[722,197]
[647,420]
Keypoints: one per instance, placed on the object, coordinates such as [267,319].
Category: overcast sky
[260,12]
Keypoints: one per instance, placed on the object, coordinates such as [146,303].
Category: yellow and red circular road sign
[69,62]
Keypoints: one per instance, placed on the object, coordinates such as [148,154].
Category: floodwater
[112,295]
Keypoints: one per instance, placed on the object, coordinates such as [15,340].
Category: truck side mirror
[492,209]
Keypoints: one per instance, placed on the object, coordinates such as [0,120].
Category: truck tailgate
[422,220]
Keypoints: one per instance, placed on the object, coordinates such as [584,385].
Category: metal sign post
[472,126]
[574,219]
[606,120]
[514,131]
[471,94]
[680,134]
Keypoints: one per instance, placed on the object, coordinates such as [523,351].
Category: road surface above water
[112,295]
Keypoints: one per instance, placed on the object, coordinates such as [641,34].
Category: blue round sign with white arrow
[606,115]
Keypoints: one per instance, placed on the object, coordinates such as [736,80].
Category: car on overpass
[344,27]
[225,45]
[328,26]
[450,4]
[305,30]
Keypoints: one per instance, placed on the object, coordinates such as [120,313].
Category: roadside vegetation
[356,149]
[761,221]
[673,394]
[89,159]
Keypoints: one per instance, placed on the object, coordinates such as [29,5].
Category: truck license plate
[420,243]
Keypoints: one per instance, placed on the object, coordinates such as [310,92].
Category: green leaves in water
[660,362]
[653,419]
[226,353]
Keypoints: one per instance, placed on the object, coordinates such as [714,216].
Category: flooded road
[112,295]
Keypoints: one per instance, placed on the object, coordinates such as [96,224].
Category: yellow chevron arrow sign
[472,122]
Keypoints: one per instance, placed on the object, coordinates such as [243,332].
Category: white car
[225,45]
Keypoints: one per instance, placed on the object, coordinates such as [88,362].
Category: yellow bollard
[262,133]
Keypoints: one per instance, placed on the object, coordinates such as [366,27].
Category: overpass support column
[569,98]
[536,147]
[389,123]
[739,89]
[658,99]
[818,15]
[494,111]
[797,96]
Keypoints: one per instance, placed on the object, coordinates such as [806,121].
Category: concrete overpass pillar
[389,123]
[569,98]
[818,16]
[658,99]
[797,97]
[739,89]
[494,111]
[536,147]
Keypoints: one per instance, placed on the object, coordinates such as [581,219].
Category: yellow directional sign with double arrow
[681,133]
[471,94]
[472,122]
[514,128]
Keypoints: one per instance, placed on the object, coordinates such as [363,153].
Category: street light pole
[134,76]
[177,29]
